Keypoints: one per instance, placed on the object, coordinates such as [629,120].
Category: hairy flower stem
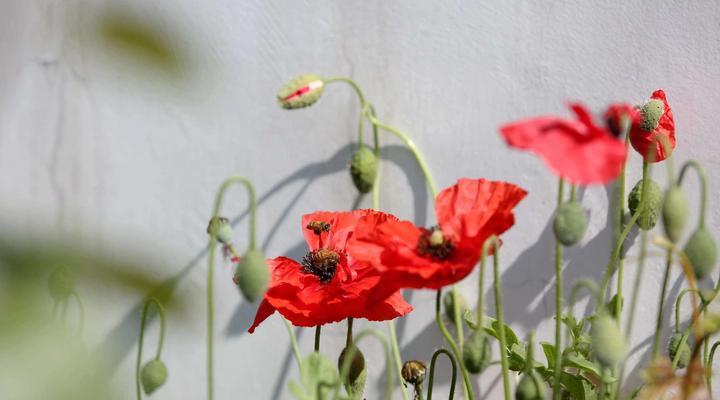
[469,394]
[161,340]
[661,304]
[318,329]
[294,343]
[432,373]
[211,266]
[557,368]
[709,367]
[494,242]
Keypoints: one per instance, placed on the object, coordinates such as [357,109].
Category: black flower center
[434,244]
[321,263]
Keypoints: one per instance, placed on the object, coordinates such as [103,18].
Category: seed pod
[302,91]
[153,375]
[252,275]
[674,347]
[570,223]
[413,372]
[477,352]
[648,217]
[701,250]
[651,113]
[363,169]
[674,212]
[607,341]
[449,302]
[61,283]
[530,388]
[220,228]
[357,374]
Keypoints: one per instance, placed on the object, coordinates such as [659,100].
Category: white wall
[92,149]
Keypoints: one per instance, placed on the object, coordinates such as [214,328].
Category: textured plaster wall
[113,155]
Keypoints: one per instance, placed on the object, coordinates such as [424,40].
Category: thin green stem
[350,355]
[294,343]
[678,303]
[494,242]
[661,305]
[161,340]
[615,254]
[398,359]
[349,335]
[211,267]
[703,187]
[450,357]
[586,284]
[469,394]
[457,318]
[557,368]
[81,311]
[709,367]
[318,329]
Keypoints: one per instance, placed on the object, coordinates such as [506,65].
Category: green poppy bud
[220,228]
[61,283]
[607,341]
[477,352]
[674,212]
[449,304]
[684,350]
[529,388]
[570,223]
[363,169]
[252,275]
[357,374]
[648,217]
[153,375]
[413,372]
[701,250]
[303,91]
[651,113]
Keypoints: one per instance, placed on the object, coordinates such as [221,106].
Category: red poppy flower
[579,151]
[412,257]
[616,113]
[654,137]
[328,285]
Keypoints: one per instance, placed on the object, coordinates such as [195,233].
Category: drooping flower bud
[252,275]
[363,169]
[648,217]
[674,348]
[220,228]
[413,372]
[61,283]
[570,223]
[674,212]
[477,352]
[530,388]
[153,375]
[357,374]
[449,303]
[701,250]
[302,91]
[607,341]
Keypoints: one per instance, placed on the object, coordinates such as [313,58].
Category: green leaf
[319,377]
[490,325]
[549,350]
[582,363]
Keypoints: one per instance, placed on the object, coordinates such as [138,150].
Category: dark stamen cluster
[438,251]
[321,263]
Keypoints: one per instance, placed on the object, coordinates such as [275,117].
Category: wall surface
[112,152]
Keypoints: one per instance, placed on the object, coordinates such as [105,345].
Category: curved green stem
[161,340]
[469,394]
[294,343]
[350,355]
[557,368]
[494,242]
[586,284]
[661,304]
[709,367]
[703,186]
[432,373]
[678,302]
[211,267]
[398,359]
